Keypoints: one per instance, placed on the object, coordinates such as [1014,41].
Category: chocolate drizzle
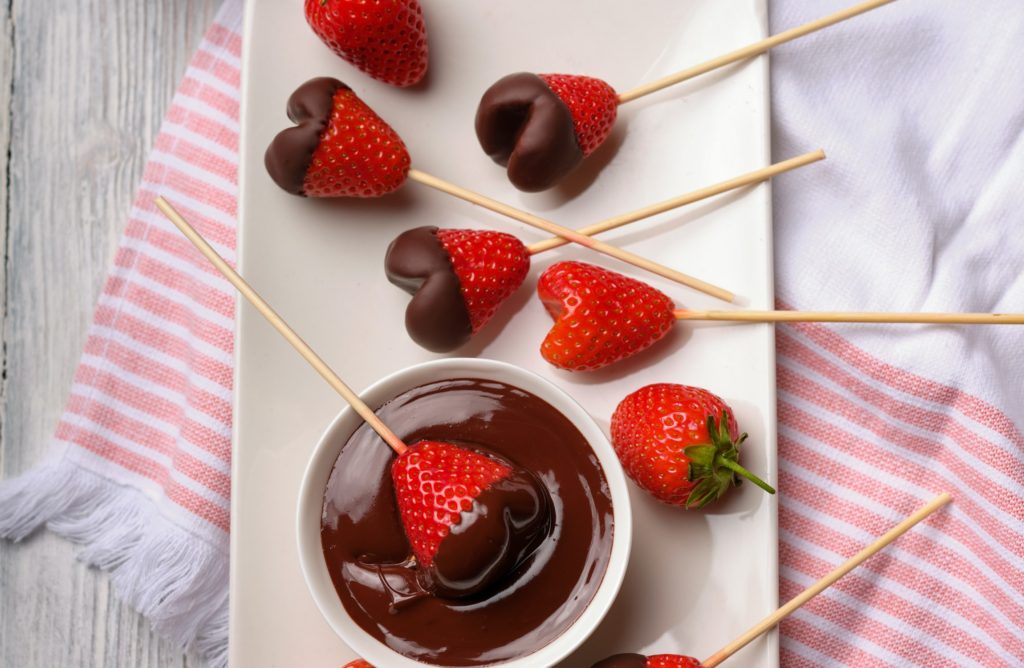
[290,153]
[366,551]
[524,125]
[437,317]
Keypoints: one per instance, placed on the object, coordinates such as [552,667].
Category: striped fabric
[861,444]
[142,480]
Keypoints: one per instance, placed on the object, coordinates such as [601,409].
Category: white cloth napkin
[920,107]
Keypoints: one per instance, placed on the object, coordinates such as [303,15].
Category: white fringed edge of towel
[171,576]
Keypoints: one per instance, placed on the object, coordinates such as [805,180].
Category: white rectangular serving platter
[696,579]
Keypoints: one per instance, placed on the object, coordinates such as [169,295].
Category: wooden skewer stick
[571,235]
[751,50]
[821,585]
[281,326]
[747,179]
[854,316]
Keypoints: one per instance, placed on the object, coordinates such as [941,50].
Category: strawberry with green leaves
[680,443]
[387,39]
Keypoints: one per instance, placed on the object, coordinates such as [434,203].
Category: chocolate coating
[366,551]
[623,661]
[506,524]
[523,125]
[290,153]
[437,317]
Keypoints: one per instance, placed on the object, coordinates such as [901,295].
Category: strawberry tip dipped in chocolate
[540,127]
[386,39]
[470,518]
[457,279]
[680,444]
[654,661]
[339,147]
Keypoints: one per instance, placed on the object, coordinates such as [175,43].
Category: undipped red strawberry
[600,316]
[592,103]
[680,443]
[357,663]
[434,483]
[490,267]
[384,38]
[338,148]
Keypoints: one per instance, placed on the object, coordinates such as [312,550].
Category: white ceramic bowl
[319,470]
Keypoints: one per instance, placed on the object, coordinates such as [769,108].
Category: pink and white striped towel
[920,105]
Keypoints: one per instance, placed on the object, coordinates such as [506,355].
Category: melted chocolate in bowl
[366,551]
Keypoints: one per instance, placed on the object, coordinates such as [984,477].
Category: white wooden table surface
[83,87]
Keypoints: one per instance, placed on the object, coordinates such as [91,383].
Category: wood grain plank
[83,90]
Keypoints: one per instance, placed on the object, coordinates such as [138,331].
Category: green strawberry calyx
[714,466]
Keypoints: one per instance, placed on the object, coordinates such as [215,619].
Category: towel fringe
[171,576]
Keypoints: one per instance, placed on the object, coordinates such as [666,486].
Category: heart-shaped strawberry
[542,126]
[600,316]
[470,518]
[457,278]
[641,661]
[338,148]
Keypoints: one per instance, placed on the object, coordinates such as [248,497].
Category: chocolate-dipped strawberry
[541,126]
[655,661]
[470,518]
[338,148]
[457,278]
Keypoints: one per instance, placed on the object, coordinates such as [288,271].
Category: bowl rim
[321,462]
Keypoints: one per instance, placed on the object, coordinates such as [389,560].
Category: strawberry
[359,155]
[357,663]
[384,38]
[679,443]
[672,661]
[593,105]
[490,267]
[339,147]
[434,483]
[641,661]
[600,316]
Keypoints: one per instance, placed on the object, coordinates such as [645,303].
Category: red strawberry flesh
[387,39]
[490,267]
[593,104]
[359,155]
[600,316]
[641,661]
[470,519]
